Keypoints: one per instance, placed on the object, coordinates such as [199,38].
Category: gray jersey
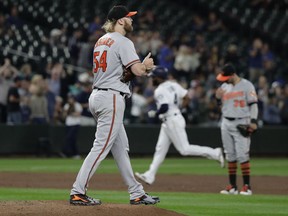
[236,99]
[120,52]
[170,93]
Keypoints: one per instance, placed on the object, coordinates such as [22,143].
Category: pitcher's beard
[128,28]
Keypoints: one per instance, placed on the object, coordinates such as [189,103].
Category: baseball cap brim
[222,78]
[131,13]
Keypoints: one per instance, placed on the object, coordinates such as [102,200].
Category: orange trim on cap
[222,78]
[131,13]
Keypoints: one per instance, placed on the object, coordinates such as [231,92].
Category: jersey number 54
[100,62]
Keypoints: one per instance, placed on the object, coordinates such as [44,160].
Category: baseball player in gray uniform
[107,104]
[169,96]
[239,106]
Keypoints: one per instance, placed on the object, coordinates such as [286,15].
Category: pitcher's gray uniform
[239,106]
[107,104]
[173,129]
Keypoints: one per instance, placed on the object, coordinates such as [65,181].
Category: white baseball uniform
[173,129]
[107,104]
[236,110]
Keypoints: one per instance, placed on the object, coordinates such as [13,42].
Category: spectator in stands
[166,54]
[214,55]
[268,59]
[214,24]
[147,21]
[255,60]
[186,62]
[200,46]
[58,118]
[25,109]
[54,82]
[138,105]
[142,43]
[7,72]
[199,24]
[72,114]
[24,90]
[38,101]
[55,38]
[83,98]
[231,55]
[85,59]
[26,71]
[196,107]
[262,89]
[210,70]
[3,27]
[212,108]
[284,109]
[13,103]
[46,71]
[155,44]
[95,25]
[74,45]
[13,18]
[271,112]
[51,100]
[68,77]
[148,94]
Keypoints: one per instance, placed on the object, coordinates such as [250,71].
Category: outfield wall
[35,139]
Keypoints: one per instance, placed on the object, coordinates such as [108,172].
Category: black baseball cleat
[146,200]
[80,199]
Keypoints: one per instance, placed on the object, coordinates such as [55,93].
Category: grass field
[186,203]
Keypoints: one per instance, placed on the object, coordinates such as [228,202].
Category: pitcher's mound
[63,208]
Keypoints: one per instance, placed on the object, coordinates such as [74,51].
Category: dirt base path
[184,183]
[169,183]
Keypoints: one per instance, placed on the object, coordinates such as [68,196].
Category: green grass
[195,166]
[186,203]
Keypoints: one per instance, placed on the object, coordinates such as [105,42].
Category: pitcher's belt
[106,89]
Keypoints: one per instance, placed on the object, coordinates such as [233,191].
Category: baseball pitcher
[239,121]
[112,52]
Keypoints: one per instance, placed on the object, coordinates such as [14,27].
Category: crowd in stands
[38,96]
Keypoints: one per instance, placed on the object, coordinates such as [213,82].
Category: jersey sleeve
[160,98]
[128,53]
[181,91]
[251,94]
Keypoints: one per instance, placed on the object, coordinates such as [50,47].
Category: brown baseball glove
[245,130]
[127,75]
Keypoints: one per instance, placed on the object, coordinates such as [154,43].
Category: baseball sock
[232,169]
[245,168]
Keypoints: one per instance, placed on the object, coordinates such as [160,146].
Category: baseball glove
[245,130]
[127,75]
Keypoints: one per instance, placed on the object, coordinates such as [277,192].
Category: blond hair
[109,26]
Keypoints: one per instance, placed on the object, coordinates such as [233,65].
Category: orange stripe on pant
[107,141]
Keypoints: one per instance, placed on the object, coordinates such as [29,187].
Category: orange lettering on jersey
[104,41]
[253,94]
[232,95]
